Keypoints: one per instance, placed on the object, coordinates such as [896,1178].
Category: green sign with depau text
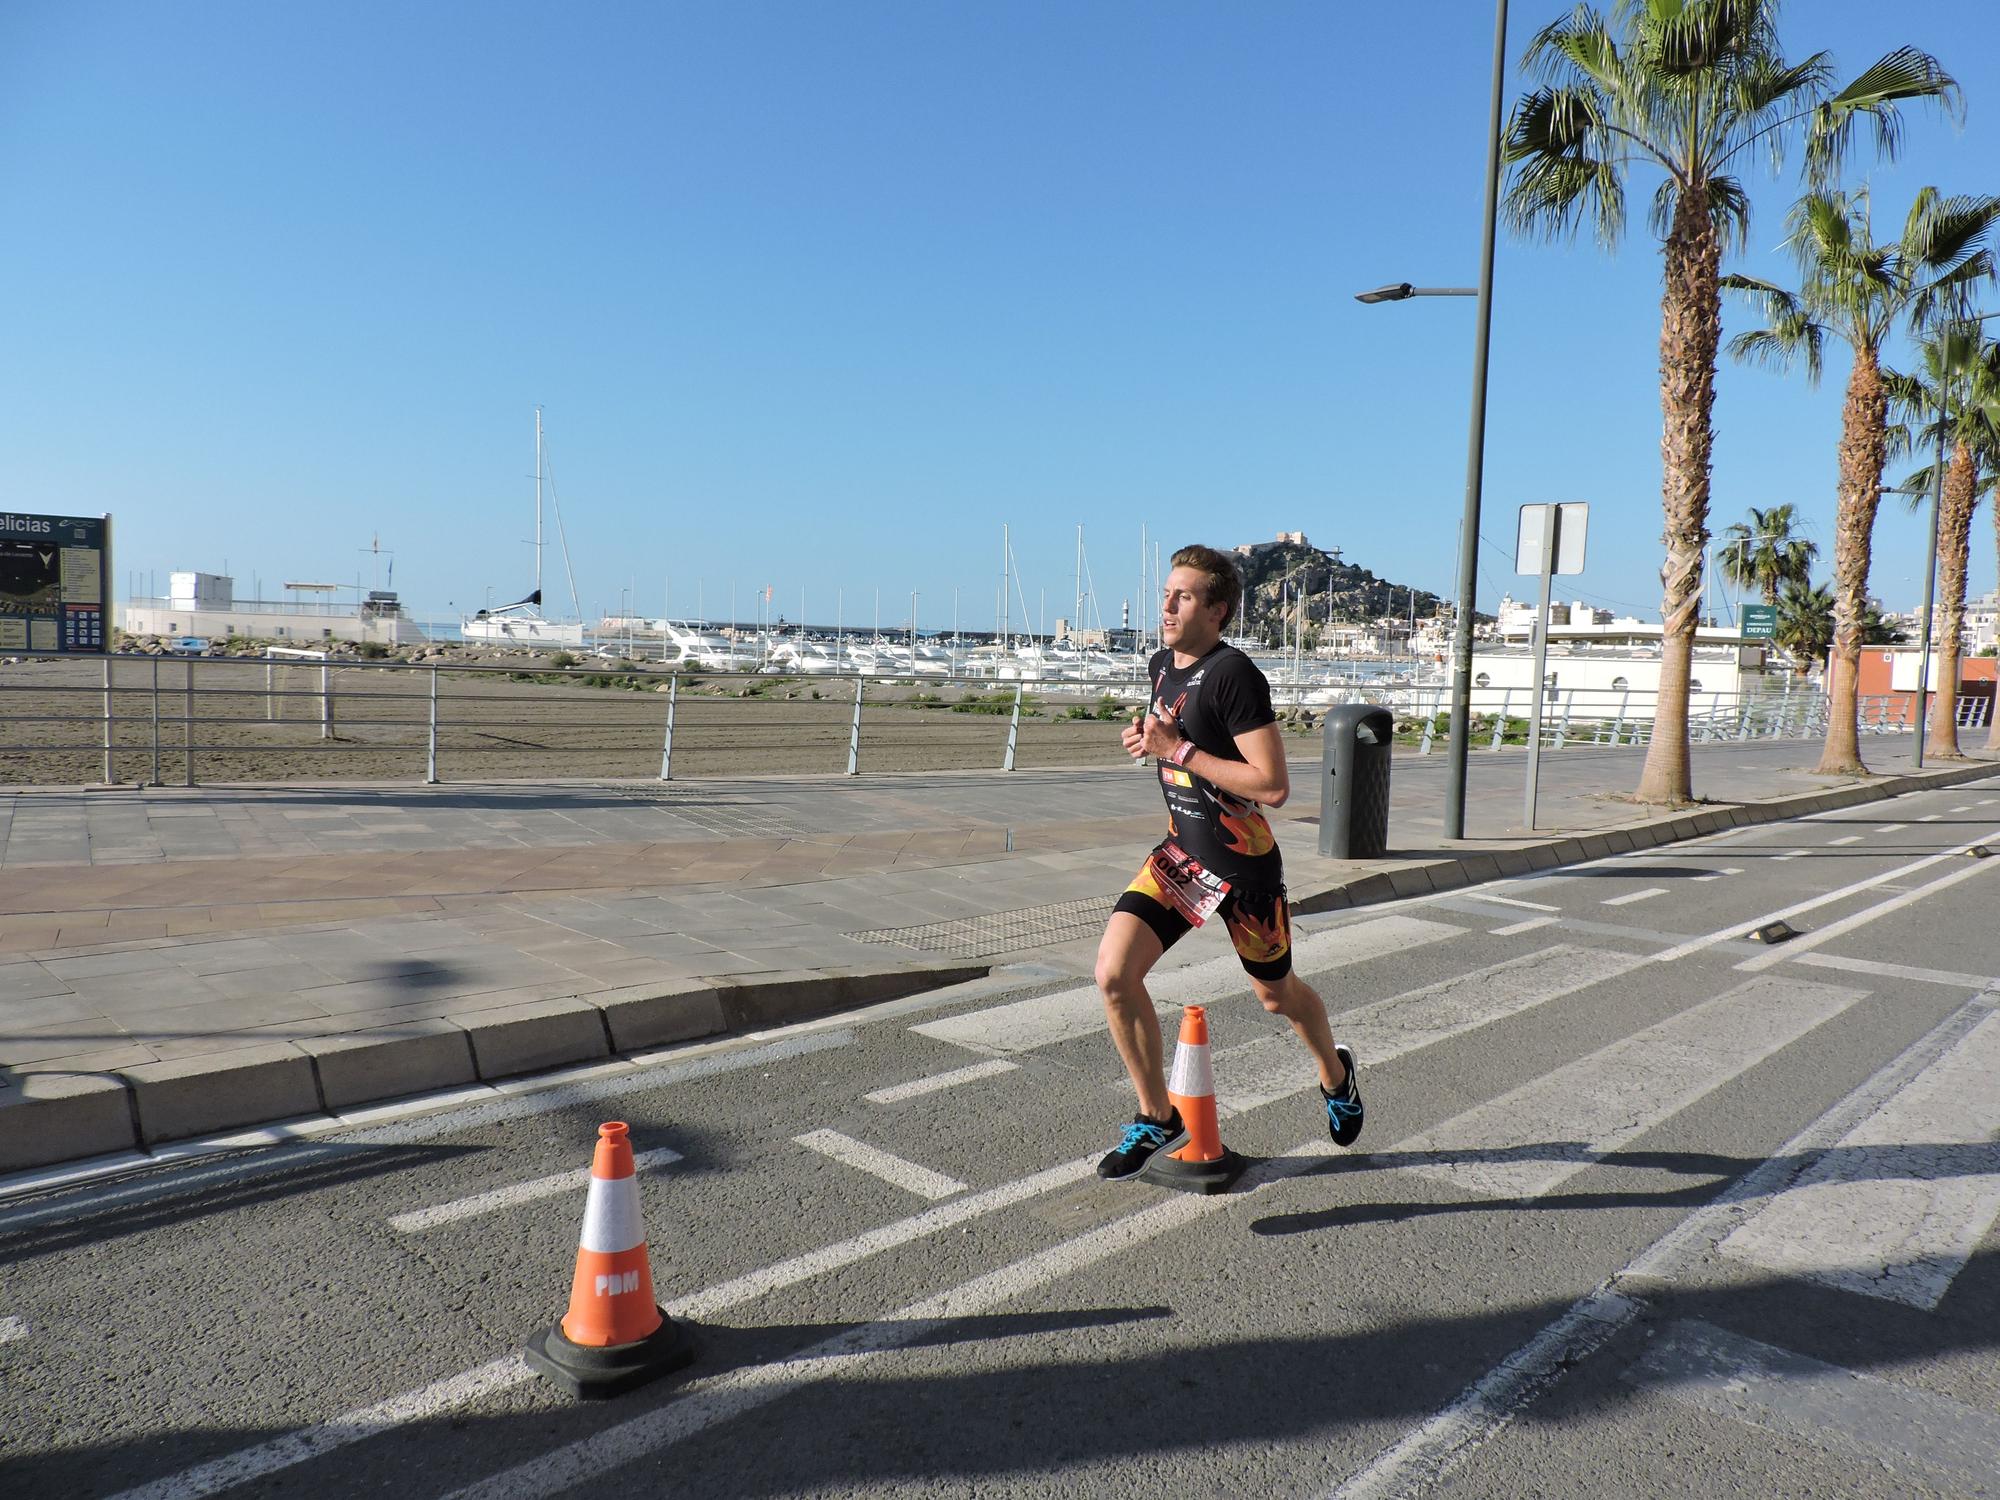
[1760,621]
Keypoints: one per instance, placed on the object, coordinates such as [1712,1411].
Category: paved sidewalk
[176,963]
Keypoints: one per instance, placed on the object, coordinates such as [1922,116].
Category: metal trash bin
[1357,739]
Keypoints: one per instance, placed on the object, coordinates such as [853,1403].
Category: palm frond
[1560,178]
[1792,334]
[1906,73]
[1941,231]
[1950,295]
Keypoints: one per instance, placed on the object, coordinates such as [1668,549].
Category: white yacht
[703,646]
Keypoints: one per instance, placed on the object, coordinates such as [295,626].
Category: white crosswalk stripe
[1896,1208]
[1528,926]
[1630,896]
[1275,1066]
[876,1163]
[1533,1138]
[577,1181]
[918,1087]
[1025,1025]
[1877,1422]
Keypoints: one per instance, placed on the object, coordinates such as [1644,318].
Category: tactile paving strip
[1000,931]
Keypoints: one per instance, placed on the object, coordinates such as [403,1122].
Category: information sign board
[1760,621]
[55,583]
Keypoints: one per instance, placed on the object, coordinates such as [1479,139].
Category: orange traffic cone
[1202,1164]
[615,1336]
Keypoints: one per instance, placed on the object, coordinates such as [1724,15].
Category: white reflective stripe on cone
[611,1221]
[1193,1076]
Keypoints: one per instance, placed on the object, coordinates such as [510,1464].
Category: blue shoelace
[1137,1134]
[1341,1110]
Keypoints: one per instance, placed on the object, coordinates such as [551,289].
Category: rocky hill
[1289,570]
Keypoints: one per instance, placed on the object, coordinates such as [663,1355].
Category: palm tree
[1687,87]
[1961,381]
[1805,622]
[1763,554]
[1861,293]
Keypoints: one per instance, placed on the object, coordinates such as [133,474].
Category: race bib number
[1194,891]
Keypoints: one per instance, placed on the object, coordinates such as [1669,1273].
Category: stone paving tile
[661,945]
[170,1027]
[768,960]
[227,955]
[25,980]
[277,979]
[45,1010]
[119,994]
[62,1039]
[100,965]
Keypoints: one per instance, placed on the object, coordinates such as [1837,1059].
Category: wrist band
[1182,752]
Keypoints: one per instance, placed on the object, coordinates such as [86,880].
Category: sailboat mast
[1006,552]
[538,507]
[1076,615]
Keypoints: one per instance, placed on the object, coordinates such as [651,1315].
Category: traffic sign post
[1549,541]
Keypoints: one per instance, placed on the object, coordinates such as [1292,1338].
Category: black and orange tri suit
[1214,837]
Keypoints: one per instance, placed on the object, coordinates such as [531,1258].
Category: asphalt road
[1642,1208]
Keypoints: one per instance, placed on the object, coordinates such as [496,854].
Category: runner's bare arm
[1261,776]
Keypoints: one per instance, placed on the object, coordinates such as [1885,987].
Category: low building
[205,605]
[1890,673]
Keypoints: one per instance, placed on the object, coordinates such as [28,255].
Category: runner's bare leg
[1300,1004]
[1125,955]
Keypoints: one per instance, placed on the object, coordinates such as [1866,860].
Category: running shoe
[1142,1138]
[1343,1110]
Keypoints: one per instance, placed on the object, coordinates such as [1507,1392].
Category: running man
[1215,740]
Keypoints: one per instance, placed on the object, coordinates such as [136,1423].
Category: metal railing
[1613,716]
[191,719]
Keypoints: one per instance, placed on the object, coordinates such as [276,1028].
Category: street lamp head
[1395,292]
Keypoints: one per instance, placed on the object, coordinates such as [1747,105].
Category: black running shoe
[1142,1138]
[1343,1110]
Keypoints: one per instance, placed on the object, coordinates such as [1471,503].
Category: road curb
[49,1116]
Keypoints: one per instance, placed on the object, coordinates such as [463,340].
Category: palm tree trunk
[1864,426]
[1954,545]
[1690,330]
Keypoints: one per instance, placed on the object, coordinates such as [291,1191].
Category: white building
[1982,623]
[205,605]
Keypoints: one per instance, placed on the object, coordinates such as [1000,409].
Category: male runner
[1220,753]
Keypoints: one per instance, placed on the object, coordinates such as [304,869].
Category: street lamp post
[1475,454]
[1930,551]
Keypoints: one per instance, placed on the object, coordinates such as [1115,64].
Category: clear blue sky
[818,295]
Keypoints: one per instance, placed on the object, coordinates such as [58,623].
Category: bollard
[156,723]
[431,754]
[1500,719]
[107,721]
[1355,744]
[854,734]
[667,746]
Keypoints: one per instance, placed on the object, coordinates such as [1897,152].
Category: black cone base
[590,1373]
[1194,1176]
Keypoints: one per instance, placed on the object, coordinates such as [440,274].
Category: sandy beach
[251,724]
